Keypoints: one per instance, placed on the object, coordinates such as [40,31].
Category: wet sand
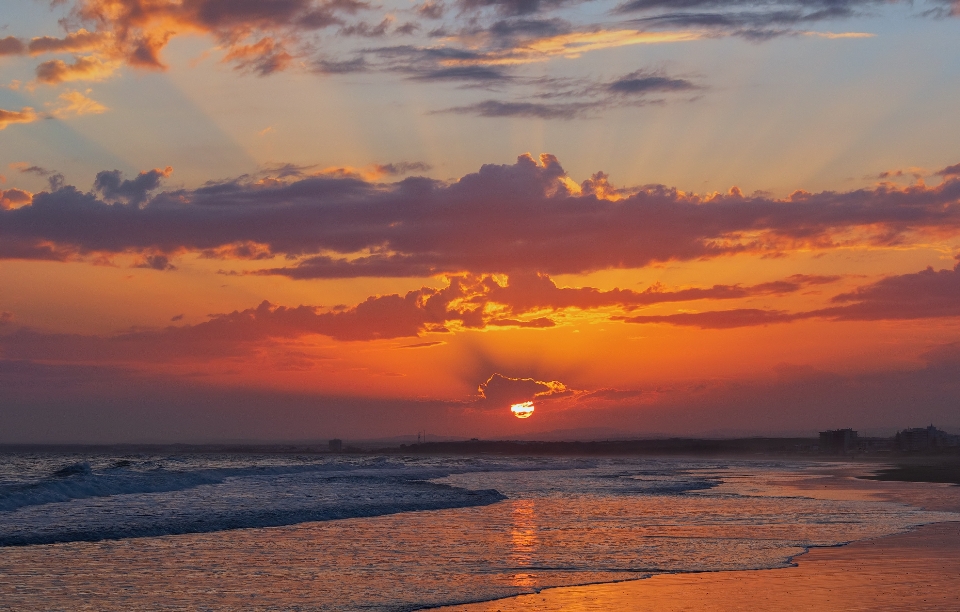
[916,570]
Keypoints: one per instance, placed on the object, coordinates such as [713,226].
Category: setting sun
[523,410]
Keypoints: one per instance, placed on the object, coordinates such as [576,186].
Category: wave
[80,481]
[87,525]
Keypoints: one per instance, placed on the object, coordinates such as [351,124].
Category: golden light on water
[523,410]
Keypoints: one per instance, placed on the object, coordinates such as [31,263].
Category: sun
[523,410]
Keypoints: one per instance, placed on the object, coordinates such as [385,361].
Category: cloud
[927,294]
[365,30]
[24,115]
[528,216]
[526,292]
[155,262]
[716,319]
[401,168]
[501,391]
[640,82]
[953,170]
[758,21]
[73,42]
[495,108]
[263,57]
[89,68]
[431,9]
[114,187]
[76,104]
[12,45]
[466,303]
[422,344]
[26,168]
[514,7]
[567,99]
[256,35]
[462,73]
[14,198]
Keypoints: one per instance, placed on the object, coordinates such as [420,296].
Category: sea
[118,530]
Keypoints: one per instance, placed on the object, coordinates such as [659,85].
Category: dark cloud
[436,63]
[751,13]
[566,99]
[953,170]
[155,262]
[504,218]
[514,7]
[462,73]
[409,28]
[501,391]
[366,30]
[527,292]
[400,168]
[538,28]
[534,110]
[431,9]
[12,45]
[756,20]
[927,294]
[326,66]
[113,186]
[642,83]
[24,168]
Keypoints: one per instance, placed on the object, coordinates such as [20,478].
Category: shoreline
[912,570]
[917,569]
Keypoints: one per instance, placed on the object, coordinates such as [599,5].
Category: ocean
[206,531]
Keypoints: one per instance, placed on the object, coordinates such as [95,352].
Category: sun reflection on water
[523,537]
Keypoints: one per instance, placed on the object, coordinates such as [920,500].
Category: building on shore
[921,439]
[838,441]
[336,445]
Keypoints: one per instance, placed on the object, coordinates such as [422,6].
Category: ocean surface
[115,531]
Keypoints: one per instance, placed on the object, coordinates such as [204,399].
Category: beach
[256,532]
[915,570]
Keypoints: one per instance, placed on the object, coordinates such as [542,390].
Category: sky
[292,220]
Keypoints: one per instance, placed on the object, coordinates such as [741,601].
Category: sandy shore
[916,570]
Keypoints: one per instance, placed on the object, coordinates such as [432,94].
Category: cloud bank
[526,217]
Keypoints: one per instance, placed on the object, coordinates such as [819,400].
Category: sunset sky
[299,219]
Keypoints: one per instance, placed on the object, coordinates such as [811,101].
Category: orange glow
[523,410]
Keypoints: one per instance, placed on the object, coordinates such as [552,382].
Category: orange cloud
[75,104]
[256,35]
[89,68]
[74,42]
[569,45]
[927,294]
[14,198]
[24,115]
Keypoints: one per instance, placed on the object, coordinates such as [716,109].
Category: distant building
[838,441]
[920,439]
[336,445]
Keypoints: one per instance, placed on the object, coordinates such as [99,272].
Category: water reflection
[523,537]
